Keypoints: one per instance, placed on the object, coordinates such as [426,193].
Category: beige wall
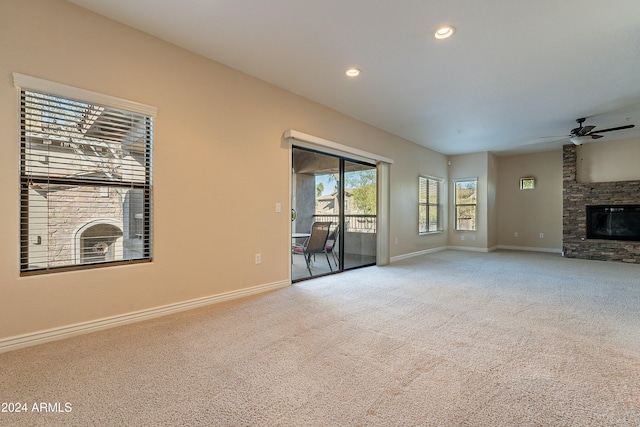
[609,161]
[530,212]
[220,166]
[404,196]
[492,201]
[476,165]
[504,209]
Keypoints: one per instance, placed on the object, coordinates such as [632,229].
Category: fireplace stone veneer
[576,197]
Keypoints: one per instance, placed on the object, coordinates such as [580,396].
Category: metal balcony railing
[353,223]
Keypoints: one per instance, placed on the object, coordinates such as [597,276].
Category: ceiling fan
[581,134]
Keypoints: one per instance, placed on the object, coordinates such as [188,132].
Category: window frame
[427,205]
[142,183]
[473,206]
[527,183]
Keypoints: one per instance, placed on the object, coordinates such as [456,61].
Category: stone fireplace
[576,197]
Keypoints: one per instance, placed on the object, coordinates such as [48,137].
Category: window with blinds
[429,205]
[85,172]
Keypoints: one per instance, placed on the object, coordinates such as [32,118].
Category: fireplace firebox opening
[613,222]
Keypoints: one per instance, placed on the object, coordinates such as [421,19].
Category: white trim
[470,249]
[53,88]
[341,150]
[419,253]
[530,249]
[27,340]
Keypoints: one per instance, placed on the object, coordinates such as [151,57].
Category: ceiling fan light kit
[582,134]
[579,140]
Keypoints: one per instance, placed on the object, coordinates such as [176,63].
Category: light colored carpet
[447,339]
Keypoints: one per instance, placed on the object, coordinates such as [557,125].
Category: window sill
[426,233]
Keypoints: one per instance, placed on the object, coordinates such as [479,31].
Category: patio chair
[315,244]
[332,243]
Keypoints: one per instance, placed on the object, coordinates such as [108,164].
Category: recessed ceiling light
[445,32]
[353,72]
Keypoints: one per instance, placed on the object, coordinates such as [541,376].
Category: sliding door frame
[383,165]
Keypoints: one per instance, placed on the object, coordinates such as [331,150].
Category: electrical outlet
[462,237]
[278,208]
[515,234]
[396,240]
[258,258]
[542,235]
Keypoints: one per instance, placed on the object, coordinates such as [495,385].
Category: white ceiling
[513,72]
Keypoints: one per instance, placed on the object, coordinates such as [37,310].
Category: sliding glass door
[359,214]
[342,193]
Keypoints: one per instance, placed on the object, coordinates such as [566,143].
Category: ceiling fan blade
[585,130]
[612,129]
[593,136]
[566,138]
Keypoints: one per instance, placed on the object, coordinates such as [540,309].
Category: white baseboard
[475,249]
[506,247]
[470,248]
[40,337]
[530,249]
[419,253]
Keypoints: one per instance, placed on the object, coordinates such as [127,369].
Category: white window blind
[429,205]
[86,183]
